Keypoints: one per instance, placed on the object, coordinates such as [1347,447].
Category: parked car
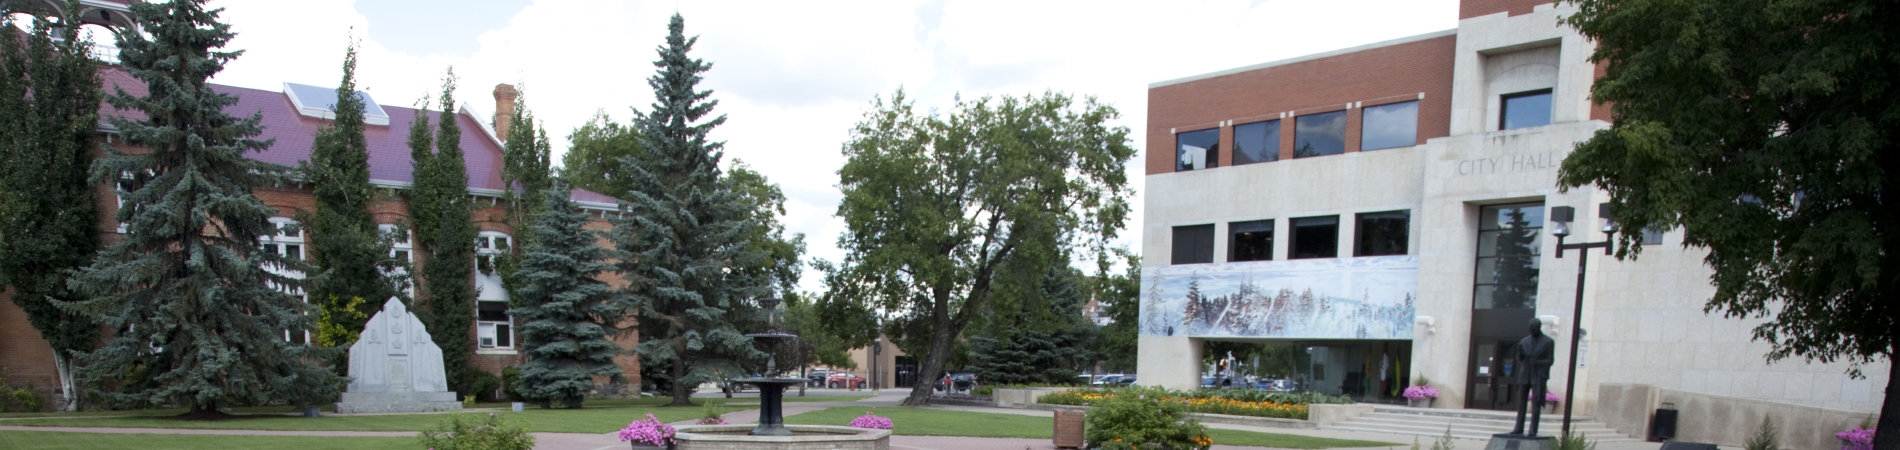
[844,380]
[728,386]
[817,377]
[1110,380]
[1277,385]
[963,381]
[1126,380]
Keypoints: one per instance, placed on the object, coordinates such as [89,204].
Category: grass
[940,422]
[47,440]
[592,419]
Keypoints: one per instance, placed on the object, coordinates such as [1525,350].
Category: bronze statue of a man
[1534,355]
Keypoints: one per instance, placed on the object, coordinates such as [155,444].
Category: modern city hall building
[1386,209]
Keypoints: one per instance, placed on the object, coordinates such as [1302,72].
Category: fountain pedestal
[771,404]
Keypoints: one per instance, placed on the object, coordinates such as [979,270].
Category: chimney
[505,95]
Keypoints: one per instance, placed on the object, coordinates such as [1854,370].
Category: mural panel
[1349,298]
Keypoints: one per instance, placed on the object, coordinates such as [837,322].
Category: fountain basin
[804,437]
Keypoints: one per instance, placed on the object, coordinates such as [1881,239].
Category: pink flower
[648,431]
[869,421]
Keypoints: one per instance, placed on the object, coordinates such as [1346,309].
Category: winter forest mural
[1348,298]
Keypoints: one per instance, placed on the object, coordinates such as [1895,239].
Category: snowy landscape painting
[1348,298]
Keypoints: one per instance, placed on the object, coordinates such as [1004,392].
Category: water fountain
[771,432]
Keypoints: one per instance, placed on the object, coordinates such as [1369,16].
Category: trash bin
[1069,428]
[1662,426]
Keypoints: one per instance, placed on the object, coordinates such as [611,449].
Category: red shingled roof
[388,145]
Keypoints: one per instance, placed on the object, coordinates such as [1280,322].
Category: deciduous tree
[1769,131]
[938,206]
[49,103]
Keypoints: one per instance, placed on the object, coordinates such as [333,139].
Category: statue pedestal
[388,402]
[1520,442]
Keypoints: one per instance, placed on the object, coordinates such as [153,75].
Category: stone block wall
[1721,420]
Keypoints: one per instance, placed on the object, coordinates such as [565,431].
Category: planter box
[1068,432]
[1419,402]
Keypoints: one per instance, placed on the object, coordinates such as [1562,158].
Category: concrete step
[1468,424]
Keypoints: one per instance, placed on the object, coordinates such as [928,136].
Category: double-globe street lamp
[1560,217]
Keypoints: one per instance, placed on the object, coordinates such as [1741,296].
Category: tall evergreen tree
[568,314]
[686,229]
[198,319]
[48,224]
[525,161]
[348,255]
[448,274]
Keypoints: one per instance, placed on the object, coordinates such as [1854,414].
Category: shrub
[648,431]
[869,421]
[1765,438]
[511,384]
[984,391]
[28,399]
[1574,441]
[483,384]
[1143,419]
[470,432]
[710,415]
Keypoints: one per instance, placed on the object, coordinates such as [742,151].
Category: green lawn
[940,422]
[42,440]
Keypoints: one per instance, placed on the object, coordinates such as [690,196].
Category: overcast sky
[792,77]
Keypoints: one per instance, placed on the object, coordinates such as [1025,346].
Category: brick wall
[1370,77]
[1474,8]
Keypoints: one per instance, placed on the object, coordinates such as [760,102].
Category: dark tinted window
[1383,233]
[1525,109]
[1257,142]
[1508,247]
[1314,237]
[1319,134]
[1196,150]
[1390,126]
[491,311]
[1193,245]
[1250,241]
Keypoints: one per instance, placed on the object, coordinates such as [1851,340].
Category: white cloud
[793,77]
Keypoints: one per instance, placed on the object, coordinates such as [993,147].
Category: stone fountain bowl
[733,437]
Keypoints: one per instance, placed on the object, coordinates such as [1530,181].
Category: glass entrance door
[1504,299]
[1490,373]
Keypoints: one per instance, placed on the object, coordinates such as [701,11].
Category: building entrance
[1504,298]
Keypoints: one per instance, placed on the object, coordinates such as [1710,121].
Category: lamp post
[1560,217]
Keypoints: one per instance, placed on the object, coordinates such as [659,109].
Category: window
[1652,236]
[287,241]
[1389,126]
[1319,134]
[1250,241]
[1196,150]
[493,325]
[1193,245]
[1524,109]
[1257,142]
[403,251]
[1383,233]
[129,183]
[1509,242]
[1314,237]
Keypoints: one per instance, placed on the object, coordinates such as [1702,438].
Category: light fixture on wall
[1552,324]
[1426,323]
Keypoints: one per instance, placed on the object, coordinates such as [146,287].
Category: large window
[1524,109]
[1250,241]
[1193,244]
[1390,126]
[1196,150]
[287,241]
[1383,233]
[493,326]
[1257,142]
[1319,134]
[1314,237]
[1509,242]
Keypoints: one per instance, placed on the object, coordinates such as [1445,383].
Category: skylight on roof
[318,102]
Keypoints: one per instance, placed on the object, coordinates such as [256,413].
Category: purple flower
[1421,392]
[648,431]
[1857,439]
[869,421]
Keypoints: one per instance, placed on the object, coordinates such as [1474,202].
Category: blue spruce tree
[568,314]
[687,231]
[198,321]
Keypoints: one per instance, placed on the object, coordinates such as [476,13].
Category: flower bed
[1280,405]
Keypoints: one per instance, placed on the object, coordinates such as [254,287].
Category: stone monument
[396,367]
[1533,356]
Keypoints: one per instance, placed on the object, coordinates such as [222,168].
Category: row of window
[493,325]
[1390,125]
[1377,234]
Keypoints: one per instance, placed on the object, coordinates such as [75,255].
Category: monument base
[1520,442]
[390,402]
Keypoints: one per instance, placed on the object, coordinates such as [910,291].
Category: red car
[844,380]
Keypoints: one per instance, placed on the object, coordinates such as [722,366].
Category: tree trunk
[69,396]
[681,397]
[1887,432]
[942,332]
